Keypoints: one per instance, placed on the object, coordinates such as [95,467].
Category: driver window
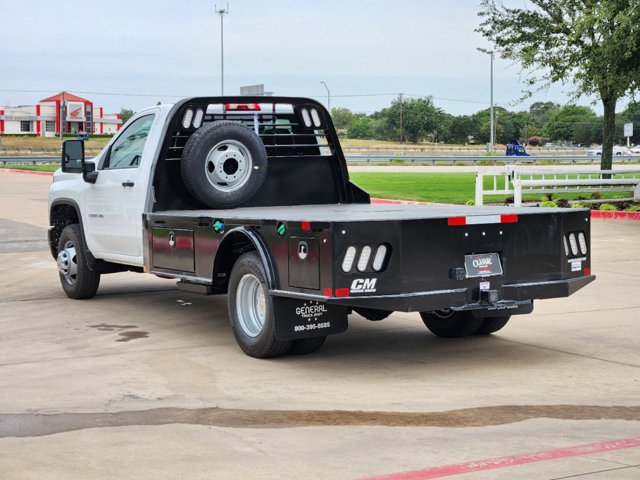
[126,151]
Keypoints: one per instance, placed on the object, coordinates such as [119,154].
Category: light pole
[491,126]
[328,95]
[222,12]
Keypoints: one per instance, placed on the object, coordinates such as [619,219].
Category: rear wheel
[450,324]
[251,309]
[77,279]
[491,325]
[305,346]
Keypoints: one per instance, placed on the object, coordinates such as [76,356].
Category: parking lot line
[511,461]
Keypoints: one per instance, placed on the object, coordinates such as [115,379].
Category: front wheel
[451,324]
[251,309]
[77,279]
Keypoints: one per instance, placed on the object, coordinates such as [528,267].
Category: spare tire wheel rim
[228,166]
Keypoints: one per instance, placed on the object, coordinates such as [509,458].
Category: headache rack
[305,162]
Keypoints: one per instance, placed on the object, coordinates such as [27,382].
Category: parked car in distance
[635,149]
[617,150]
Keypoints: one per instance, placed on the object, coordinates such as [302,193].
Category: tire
[373,314]
[224,164]
[450,324]
[491,325]
[251,309]
[305,346]
[77,279]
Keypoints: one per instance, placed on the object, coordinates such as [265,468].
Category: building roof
[69,97]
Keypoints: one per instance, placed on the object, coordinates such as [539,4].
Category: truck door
[115,202]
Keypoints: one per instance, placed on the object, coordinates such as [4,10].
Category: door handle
[128,183]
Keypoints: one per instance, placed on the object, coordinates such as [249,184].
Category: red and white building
[44,119]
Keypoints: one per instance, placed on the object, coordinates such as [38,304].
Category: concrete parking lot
[145,381]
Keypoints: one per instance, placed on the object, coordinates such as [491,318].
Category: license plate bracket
[482,265]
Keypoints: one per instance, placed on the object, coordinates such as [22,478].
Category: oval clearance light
[306,118]
[582,240]
[566,246]
[349,257]
[197,119]
[316,117]
[573,243]
[363,261]
[186,120]
[378,260]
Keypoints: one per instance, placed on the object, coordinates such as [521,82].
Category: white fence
[516,182]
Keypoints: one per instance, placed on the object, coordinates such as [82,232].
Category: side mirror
[73,161]
[72,156]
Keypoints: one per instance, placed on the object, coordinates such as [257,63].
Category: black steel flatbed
[356,212]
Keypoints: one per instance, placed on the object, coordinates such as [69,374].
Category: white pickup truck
[250,197]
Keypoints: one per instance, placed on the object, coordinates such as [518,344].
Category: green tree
[541,111]
[570,122]
[343,118]
[126,114]
[632,114]
[412,119]
[592,44]
[362,127]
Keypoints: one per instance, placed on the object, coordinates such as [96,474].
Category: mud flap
[307,318]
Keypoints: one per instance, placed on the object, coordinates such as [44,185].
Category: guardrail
[517,182]
[475,159]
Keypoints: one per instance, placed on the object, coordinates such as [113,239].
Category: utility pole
[63,117]
[328,95]
[222,12]
[401,126]
[491,126]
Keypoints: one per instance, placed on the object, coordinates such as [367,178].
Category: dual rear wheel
[452,324]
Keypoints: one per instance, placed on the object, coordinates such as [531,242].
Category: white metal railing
[518,182]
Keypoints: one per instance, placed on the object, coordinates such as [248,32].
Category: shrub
[470,203]
[563,203]
[608,207]
[579,205]
[632,208]
[548,204]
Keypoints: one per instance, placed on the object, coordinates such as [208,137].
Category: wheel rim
[228,166]
[68,263]
[251,305]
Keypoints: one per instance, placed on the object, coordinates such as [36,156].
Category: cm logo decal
[364,285]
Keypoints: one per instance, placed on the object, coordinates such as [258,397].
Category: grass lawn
[456,188]
[37,168]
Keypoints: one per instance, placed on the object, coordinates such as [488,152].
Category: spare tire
[224,164]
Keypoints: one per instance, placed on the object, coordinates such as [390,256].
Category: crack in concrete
[37,424]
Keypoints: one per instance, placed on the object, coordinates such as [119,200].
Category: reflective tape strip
[481,220]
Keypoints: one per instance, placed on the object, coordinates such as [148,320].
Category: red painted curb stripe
[490,464]
[615,215]
[26,172]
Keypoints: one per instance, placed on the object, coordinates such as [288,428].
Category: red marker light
[306,225]
[342,292]
[242,106]
[511,218]
[587,272]
[328,292]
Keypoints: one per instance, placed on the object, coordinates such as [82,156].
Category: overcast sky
[137,52]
